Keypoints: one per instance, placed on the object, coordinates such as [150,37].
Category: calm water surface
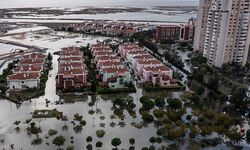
[95,3]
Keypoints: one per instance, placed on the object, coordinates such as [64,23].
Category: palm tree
[59,141]
[152,140]
[89,139]
[116,142]
[98,144]
[132,141]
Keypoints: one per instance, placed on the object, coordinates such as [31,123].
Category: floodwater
[9,112]
[96,3]
[152,12]
[6,48]
[130,16]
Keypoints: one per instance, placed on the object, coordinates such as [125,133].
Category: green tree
[78,117]
[89,147]
[160,102]
[50,57]
[213,82]
[98,144]
[146,116]
[224,119]
[148,104]
[59,141]
[132,141]
[174,103]
[158,113]
[152,140]
[176,134]
[131,148]
[143,99]
[116,142]
[193,132]
[52,132]
[234,136]
[238,95]
[205,130]
[89,139]
[100,133]
[159,140]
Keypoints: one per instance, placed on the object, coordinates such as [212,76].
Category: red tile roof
[149,61]
[69,59]
[72,64]
[74,53]
[104,53]
[36,68]
[115,70]
[138,52]
[144,57]
[96,49]
[24,76]
[107,58]
[157,68]
[35,56]
[72,48]
[108,63]
[71,71]
[31,62]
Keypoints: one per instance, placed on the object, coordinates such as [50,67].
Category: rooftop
[157,68]
[144,57]
[155,61]
[72,64]
[108,63]
[115,70]
[24,76]
[70,71]
[31,61]
[72,48]
[27,68]
[138,52]
[35,56]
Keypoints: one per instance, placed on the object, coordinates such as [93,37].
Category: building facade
[27,72]
[227,35]
[176,33]
[72,73]
[201,24]
[145,67]
[111,68]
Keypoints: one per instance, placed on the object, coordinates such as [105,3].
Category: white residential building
[227,34]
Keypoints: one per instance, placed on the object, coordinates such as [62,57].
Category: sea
[95,3]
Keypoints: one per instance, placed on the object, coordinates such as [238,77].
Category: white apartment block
[227,34]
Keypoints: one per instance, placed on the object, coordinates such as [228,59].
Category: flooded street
[9,112]
[99,116]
